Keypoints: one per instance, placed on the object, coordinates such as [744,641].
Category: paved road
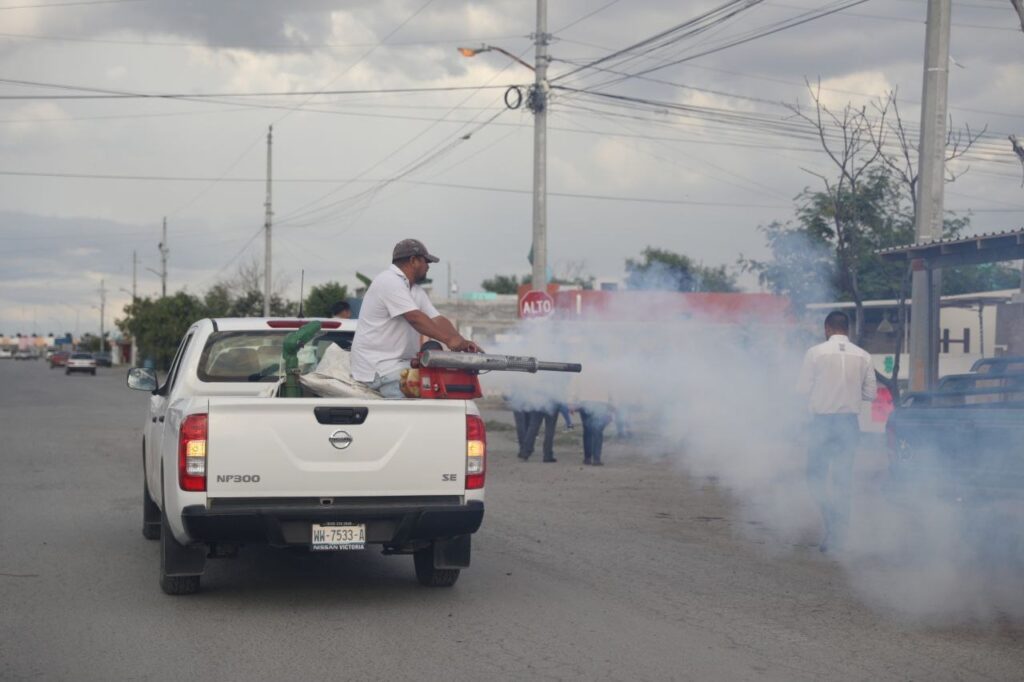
[630,572]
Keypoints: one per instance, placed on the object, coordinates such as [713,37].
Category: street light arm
[474,51]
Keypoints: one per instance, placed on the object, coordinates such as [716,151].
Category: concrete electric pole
[926,291]
[266,225]
[163,260]
[135,298]
[103,314]
[538,103]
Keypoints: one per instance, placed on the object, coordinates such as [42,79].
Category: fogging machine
[445,375]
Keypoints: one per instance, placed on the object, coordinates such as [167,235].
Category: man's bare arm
[441,329]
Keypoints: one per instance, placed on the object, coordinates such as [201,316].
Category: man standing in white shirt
[836,376]
[395,312]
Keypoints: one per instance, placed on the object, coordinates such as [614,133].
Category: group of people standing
[588,396]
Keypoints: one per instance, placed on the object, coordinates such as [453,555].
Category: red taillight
[192,453]
[476,452]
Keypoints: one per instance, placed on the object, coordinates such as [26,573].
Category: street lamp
[537,102]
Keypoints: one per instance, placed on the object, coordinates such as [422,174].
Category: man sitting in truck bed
[395,312]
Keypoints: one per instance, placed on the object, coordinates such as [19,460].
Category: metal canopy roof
[982,248]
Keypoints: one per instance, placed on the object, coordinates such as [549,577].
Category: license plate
[334,536]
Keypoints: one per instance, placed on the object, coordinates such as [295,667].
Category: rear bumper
[392,524]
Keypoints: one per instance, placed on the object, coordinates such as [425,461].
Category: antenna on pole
[266,225]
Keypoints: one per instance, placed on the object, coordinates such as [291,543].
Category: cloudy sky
[415,140]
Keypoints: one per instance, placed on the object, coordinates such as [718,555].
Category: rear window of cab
[255,356]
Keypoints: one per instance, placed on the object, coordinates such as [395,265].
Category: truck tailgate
[316,447]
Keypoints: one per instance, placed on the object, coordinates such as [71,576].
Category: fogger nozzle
[484,362]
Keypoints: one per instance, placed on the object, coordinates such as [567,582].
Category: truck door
[158,403]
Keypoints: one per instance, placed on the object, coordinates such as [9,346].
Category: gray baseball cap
[412,247]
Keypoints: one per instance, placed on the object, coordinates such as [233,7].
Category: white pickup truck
[226,464]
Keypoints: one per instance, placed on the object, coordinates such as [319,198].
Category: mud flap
[452,552]
[177,559]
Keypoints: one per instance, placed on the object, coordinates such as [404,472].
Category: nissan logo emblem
[340,439]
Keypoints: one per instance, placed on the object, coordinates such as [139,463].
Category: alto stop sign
[535,304]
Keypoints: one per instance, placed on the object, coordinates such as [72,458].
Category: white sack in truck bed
[332,377]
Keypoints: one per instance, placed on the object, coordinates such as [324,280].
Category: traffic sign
[536,304]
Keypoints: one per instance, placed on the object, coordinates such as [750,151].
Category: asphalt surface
[627,572]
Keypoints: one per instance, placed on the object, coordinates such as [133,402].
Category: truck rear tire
[423,560]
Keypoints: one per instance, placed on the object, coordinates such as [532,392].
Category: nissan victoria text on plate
[229,461]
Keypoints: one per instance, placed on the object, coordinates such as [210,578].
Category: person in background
[837,377]
[395,312]
[591,397]
[566,413]
[341,310]
[543,413]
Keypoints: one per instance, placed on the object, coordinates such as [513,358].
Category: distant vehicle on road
[226,461]
[81,362]
[103,359]
[59,359]
[24,354]
[5,354]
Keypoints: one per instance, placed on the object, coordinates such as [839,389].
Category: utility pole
[135,277]
[103,314]
[927,283]
[266,225]
[163,261]
[538,103]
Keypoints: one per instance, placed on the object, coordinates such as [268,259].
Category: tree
[504,284]
[985,277]
[322,297]
[662,269]
[158,325]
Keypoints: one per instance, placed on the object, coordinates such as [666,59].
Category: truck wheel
[67,371]
[93,372]
[150,513]
[429,576]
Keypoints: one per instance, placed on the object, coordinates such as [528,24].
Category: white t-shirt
[837,376]
[385,341]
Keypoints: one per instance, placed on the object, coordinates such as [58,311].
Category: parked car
[59,359]
[6,354]
[24,354]
[103,359]
[81,362]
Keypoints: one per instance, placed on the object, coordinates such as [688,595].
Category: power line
[69,4]
[755,35]
[671,34]
[101,93]
[252,47]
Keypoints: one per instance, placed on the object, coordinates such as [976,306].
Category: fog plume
[717,398]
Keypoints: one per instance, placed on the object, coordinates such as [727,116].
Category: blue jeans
[563,410]
[388,385]
[831,448]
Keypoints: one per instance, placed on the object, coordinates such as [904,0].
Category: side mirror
[142,379]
